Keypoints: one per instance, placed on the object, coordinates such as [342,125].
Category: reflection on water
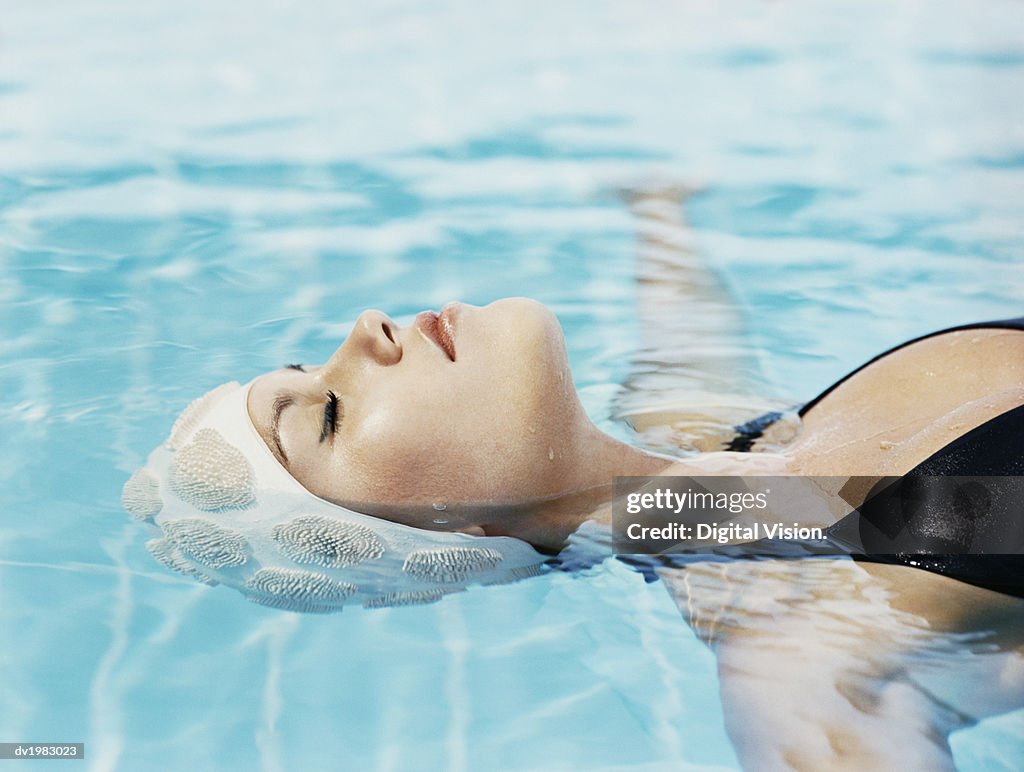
[190,196]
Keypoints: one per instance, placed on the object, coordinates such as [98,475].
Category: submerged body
[830,663]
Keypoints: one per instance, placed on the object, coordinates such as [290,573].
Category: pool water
[192,193]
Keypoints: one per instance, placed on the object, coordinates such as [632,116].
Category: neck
[586,489]
[608,457]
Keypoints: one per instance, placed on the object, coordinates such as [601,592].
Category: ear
[472,530]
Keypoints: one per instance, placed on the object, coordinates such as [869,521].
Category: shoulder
[909,404]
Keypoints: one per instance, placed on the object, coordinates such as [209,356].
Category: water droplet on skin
[440,521]
[551,454]
[440,507]
[532,429]
[886,445]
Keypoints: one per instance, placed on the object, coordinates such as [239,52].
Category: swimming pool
[191,194]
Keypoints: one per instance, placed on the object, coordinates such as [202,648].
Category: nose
[376,336]
[373,337]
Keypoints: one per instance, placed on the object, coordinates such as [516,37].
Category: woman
[465,425]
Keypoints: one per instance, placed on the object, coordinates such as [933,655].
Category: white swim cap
[224,511]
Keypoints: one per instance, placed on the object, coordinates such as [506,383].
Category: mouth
[439,329]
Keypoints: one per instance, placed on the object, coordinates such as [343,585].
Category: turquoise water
[191,193]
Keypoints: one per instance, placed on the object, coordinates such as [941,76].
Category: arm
[695,372]
[830,664]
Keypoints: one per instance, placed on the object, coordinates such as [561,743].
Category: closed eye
[334,411]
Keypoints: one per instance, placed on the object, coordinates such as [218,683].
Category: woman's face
[475,405]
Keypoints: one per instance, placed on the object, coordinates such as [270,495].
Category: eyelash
[330,424]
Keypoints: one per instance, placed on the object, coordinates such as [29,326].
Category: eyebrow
[281,401]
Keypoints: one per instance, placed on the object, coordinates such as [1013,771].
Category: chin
[533,327]
[526,307]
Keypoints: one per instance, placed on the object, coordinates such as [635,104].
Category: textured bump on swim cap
[291,604]
[141,495]
[413,598]
[207,543]
[515,574]
[211,475]
[169,556]
[296,590]
[194,413]
[326,542]
[450,564]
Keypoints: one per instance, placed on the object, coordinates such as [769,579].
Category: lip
[439,329]
[446,323]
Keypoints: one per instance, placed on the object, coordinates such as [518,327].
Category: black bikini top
[948,529]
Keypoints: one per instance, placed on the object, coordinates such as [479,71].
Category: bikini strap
[1001,324]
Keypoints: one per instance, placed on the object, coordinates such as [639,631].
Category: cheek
[471,456]
[535,397]
[393,456]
